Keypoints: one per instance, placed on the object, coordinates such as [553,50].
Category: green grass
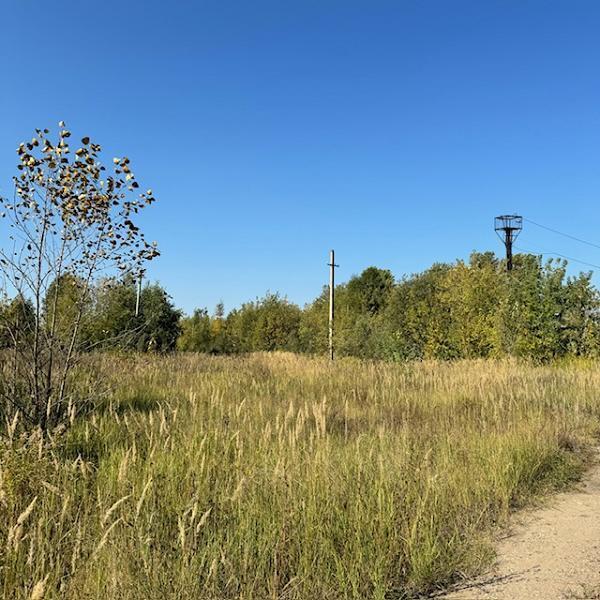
[278,476]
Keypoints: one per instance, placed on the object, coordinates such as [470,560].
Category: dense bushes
[108,321]
[471,309]
[462,310]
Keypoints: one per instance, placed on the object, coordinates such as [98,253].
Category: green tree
[114,323]
[313,330]
[160,320]
[369,292]
[417,317]
[17,323]
[277,324]
[472,292]
[220,343]
[196,332]
[270,323]
[62,305]
[579,321]
[528,316]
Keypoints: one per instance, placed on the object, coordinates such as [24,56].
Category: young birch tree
[71,222]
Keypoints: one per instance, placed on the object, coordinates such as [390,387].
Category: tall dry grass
[278,476]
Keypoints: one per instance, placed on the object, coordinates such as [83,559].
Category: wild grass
[285,477]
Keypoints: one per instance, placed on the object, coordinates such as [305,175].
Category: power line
[567,235]
[583,262]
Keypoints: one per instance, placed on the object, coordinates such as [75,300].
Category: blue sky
[272,131]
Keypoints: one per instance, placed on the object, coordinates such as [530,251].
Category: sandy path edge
[550,553]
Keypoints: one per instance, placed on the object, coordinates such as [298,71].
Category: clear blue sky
[272,131]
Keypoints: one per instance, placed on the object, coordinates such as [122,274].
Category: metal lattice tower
[508,228]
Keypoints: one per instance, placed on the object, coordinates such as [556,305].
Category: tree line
[108,321]
[466,309]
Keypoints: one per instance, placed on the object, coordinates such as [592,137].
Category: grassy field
[278,476]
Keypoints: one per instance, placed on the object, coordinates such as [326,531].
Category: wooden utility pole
[138,295]
[332,267]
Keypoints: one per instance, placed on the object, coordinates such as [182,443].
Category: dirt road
[550,554]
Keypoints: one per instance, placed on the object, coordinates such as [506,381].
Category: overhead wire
[567,235]
[577,260]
